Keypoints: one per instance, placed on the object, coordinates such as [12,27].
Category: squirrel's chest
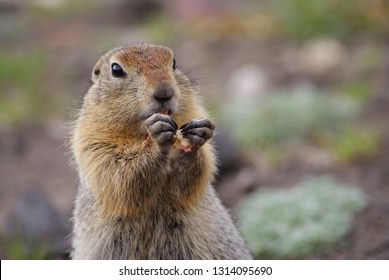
[150,237]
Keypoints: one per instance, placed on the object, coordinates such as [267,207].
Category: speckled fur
[138,199]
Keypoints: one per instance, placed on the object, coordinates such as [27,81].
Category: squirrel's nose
[163,93]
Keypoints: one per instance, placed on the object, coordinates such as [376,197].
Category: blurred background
[298,89]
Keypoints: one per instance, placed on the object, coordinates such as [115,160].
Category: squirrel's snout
[163,93]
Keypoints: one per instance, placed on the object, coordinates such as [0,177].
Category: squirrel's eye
[174,64]
[117,71]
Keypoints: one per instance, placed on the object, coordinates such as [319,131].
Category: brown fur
[123,172]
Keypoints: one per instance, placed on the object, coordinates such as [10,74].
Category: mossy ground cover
[300,221]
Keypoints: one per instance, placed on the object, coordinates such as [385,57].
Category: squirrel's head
[131,83]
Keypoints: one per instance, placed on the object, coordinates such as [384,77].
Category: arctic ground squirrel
[142,148]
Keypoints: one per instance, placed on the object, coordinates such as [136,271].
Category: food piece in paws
[165,111]
[182,143]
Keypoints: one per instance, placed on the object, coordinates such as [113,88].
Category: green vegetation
[22,96]
[304,19]
[352,143]
[57,10]
[284,117]
[368,60]
[160,28]
[18,248]
[358,91]
[300,221]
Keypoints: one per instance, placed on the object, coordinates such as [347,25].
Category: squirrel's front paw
[162,129]
[198,131]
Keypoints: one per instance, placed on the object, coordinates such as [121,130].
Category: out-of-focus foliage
[300,221]
[304,19]
[359,91]
[282,117]
[352,143]
[21,78]
[159,27]
[295,19]
[17,248]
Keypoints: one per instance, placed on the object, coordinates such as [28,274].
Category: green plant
[304,19]
[284,117]
[159,27]
[296,222]
[18,248]
[353,143]
[358,91]
[22,96]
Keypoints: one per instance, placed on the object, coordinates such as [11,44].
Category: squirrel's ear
[96,72]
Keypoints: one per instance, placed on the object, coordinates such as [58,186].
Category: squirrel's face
[131,83]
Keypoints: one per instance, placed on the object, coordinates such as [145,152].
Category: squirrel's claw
[162,129]
[198,131]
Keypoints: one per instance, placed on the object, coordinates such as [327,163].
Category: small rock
[248,82]
[322,55]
